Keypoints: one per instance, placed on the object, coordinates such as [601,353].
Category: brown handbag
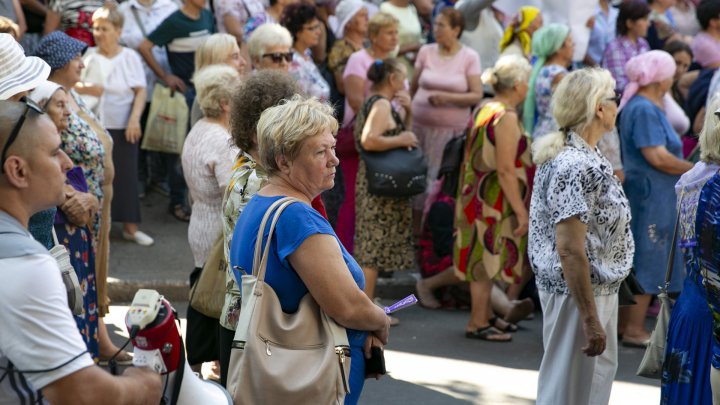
[300,358]
[207,295]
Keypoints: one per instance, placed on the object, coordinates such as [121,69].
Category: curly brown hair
[262,89]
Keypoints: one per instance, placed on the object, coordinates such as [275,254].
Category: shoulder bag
[652,362]
[398,172]
[207,295]
[69,277]
[300,358]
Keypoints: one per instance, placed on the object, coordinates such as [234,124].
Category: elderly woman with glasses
[269,47]
[580,245]
[303,22]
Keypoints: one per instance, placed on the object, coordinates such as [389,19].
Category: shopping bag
[167,121]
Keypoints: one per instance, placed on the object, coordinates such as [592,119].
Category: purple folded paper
[408,301]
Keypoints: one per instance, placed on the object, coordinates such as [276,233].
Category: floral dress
[689,352]
[543,94]
[308,76]
[246,180]
[485,247]
[383,225]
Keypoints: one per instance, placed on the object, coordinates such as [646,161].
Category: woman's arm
[79,207]
[52,22]
[469,98]
[90,89]
[233,27]
[570,236]
[354,91]
[660,159]
[377,122]
[320,265]
[415,82]
[507,137]
[133,132]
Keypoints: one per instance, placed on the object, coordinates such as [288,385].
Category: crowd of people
[551,180]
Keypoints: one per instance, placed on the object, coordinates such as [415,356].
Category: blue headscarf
[545,42]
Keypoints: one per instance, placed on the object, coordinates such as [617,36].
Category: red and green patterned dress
[485,247]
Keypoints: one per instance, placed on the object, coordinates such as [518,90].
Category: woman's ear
[282,163]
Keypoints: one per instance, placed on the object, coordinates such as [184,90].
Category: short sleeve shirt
[308,77]
[183,36]
[298,222]
[37,330]
[241,10]
[579,182]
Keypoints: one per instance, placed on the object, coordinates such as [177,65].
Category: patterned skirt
[78,242]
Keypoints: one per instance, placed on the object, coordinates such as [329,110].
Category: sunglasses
[616,98]
[29,105]
[277,57]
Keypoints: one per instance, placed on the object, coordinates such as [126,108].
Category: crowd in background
[401,74]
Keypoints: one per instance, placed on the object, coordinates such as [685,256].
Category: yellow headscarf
[518,27]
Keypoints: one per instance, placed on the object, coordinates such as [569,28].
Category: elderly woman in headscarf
[653,163]
[518,34]
[553,45]
[690,358]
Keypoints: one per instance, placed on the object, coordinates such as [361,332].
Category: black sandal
[509,328]
[179,213]
[486,333]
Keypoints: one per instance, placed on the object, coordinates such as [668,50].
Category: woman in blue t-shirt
[297,149]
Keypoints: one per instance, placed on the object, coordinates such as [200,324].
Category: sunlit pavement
[431,362]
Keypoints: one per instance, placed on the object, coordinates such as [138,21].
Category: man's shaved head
[10,114]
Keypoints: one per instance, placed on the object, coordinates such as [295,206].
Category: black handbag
[399,172]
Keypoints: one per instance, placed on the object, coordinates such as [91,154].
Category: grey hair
[215,84]
[265,36]
[508,71]
[283,128]
[710,135]
[573,106]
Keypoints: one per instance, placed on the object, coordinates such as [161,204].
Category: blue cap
[58,49]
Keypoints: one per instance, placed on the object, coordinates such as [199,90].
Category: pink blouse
[447,74]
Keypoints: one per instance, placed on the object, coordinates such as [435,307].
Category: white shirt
[125,73]
[132,34]
[37,330]
[579,182]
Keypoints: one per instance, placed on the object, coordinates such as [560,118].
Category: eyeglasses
[277,57]
[616,98]
[313,27]
[29,105]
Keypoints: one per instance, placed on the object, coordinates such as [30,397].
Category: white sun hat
[18,72]
[344,12]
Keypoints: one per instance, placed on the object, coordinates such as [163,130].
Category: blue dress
[688,353]
[650,192]
[296,223]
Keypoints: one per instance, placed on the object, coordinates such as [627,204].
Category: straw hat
[18,73]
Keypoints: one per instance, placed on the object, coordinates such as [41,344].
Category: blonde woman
[493,198]
[207,160]
[218,49]
[580,243]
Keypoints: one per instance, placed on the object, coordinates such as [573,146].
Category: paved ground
[429,360]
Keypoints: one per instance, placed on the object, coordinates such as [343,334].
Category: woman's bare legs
[426,286]
[632,320]
[480,311]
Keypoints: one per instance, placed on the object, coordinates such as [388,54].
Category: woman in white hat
[18,73]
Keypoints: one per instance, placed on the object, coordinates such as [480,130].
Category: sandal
[509,327]
[487,333]
[179,213]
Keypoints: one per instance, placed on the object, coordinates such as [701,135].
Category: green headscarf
[545,42]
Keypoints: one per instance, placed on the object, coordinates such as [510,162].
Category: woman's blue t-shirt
[298,222]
